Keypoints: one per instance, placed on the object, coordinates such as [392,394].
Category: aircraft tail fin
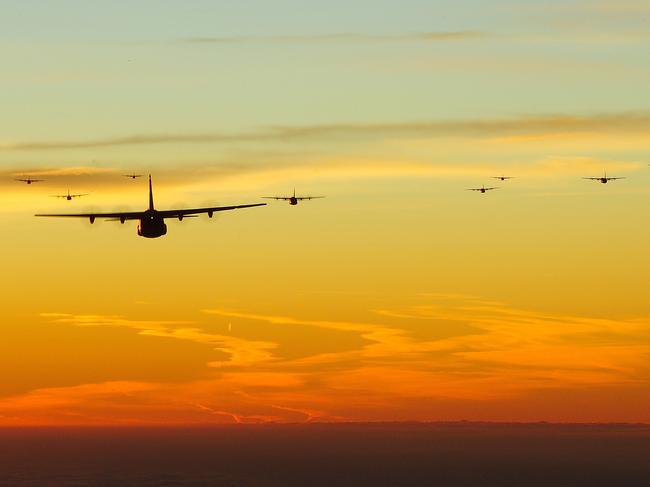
[150,194]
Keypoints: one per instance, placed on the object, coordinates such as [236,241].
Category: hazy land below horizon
[378,454]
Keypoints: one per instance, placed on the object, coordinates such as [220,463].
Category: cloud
[615,123]
[469,355]
[242,352]
[68,171]
[596,21]
[536,350]
[341,37]
[512,350]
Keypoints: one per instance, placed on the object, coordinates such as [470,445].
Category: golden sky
[399,296]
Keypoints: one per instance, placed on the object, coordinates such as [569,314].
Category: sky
[399,296]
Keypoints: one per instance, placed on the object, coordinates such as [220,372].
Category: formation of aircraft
[604,179]
[293,200]
[151,221]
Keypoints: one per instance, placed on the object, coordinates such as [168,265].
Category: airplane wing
[473,189]
[136,215]
[128,215]
[277,197]
[308,197]
[488,189]
[595,179]
[196,211]
[30,180]
[614,179]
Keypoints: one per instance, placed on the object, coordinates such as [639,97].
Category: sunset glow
[400,296]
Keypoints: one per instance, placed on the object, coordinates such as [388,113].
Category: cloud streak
[616,123]
[339,37]
[490,354]
[242,352]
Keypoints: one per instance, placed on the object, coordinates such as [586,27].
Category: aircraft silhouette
[69,196]
[502,178]
[603,179]
[132,176]
[482,189]
[29,180]
[152,221]
[293,200]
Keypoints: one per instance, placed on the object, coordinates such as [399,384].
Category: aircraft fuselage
[293,200]
[151,225]
[603,180]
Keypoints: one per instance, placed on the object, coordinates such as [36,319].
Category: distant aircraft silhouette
[293,200]
[502,178]
[604,179]
[29,180]
[482,189]
[132,176]
[69,196]
[152,221]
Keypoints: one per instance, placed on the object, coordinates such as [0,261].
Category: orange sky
[399,296]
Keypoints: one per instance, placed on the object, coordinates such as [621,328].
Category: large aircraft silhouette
[152,221]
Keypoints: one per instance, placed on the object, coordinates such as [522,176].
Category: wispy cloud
[489,353]
[66,171]
[627,122]
[339,37]
[242,352]
[526,350]
[594,21]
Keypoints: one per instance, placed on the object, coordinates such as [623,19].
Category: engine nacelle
[92,219]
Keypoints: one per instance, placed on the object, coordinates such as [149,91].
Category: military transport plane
[152,221]
[604,179]
[502,178]
[29,180]
[132,176]
[293,200]
[482,189]
[69,196]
